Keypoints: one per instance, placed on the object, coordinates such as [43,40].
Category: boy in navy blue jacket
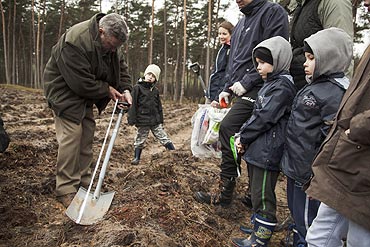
[328,54]
[261,138]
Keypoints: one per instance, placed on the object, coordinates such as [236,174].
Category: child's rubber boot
[136,159]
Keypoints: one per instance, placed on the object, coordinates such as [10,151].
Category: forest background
[170,33]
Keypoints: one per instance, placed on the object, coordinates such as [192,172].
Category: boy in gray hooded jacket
[328,54]
[261,138]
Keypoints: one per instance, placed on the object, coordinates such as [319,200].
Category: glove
[238,89]
[225,96]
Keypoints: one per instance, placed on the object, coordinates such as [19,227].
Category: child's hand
[239,147]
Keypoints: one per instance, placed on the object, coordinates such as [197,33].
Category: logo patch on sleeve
[309,101]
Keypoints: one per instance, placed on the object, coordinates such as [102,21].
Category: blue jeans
[303,210]
[330,228]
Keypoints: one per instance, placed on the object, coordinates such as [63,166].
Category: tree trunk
[5,47]
[8,44]
[184,57]
[208,41]
[165,50]
[33,42]
[37,49]
[14,78]
[42,39]
[22,59]
[150,58]
[176,69]
[61,20]
[355,4]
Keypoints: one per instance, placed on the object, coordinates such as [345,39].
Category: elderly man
[85,69]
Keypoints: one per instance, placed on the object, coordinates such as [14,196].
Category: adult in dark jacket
[217,78]
[146,112]
[85,69]
[341,169]
[311,16]
[263,135]
[313,110]
[261,20]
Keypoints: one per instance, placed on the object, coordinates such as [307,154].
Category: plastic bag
[206,125]
[215,117]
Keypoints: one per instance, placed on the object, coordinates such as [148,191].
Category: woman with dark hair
[217,78]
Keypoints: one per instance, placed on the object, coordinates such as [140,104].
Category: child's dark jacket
[263,134]
[316,104]
[146,109]
[313,110]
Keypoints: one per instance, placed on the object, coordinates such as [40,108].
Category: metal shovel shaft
[87,208]
[107,157]
[203,84]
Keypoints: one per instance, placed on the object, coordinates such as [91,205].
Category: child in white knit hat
[146,112]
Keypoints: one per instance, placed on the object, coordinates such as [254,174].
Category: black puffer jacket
[146,109]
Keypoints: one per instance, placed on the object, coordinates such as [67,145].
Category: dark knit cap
[264,54]
[307,48]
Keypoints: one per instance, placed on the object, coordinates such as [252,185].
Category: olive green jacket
[78,75]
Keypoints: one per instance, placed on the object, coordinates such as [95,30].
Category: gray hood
[332,49]
[281,52]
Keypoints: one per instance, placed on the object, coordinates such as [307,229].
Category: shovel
[89,207]
[195,67]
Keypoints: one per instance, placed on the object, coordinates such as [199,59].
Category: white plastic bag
[206,124]
[215,117]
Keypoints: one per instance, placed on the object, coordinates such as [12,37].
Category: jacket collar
[252,7]
[145,83]
[275,75]
[94,28]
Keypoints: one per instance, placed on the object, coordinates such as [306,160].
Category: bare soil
[153,204]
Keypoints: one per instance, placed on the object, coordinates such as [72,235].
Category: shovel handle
[123,106]
[107,155]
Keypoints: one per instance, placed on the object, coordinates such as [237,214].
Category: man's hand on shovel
[124,100]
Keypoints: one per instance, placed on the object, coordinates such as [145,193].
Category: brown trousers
[74,153]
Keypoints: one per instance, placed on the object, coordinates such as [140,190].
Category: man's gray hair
[114,24]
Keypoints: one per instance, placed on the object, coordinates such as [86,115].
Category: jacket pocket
[349,164]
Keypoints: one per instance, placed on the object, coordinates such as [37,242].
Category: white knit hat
[154,69]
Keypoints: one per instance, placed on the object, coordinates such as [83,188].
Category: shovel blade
[94,210]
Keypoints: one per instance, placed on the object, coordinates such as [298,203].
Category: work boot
[136,160]
[66,200]
[223,196]
[169,146]
[262,233]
